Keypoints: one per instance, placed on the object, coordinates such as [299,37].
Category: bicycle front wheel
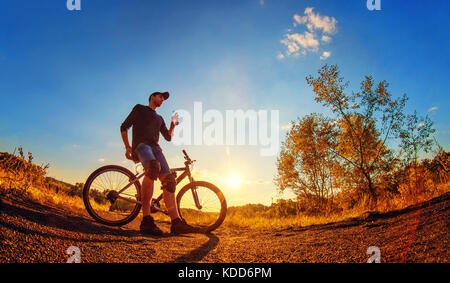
[202,204]
[101,197]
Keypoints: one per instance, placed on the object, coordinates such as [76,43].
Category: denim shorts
[146,153]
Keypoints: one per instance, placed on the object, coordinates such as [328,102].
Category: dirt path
[32,232]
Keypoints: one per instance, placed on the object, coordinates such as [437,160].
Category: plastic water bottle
[175,119]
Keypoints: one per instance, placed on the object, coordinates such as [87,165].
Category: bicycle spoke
[107,207]
[209,212]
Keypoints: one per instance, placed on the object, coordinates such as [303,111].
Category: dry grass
[261,222]
[36,188]
[44,196]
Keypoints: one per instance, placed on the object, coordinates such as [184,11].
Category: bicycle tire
[216,191]
[87,187]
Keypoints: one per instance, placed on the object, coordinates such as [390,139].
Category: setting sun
[234,180]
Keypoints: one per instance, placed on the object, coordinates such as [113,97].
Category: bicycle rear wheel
[100,195]
[213,206]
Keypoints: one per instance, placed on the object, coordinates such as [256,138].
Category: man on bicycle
[147,125]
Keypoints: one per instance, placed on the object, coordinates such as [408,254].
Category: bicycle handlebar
[186,156]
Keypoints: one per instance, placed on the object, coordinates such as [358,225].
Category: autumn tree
[440,165]
[367,120]
[416,136]
[305,163]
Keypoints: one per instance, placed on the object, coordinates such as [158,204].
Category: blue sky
[69,78]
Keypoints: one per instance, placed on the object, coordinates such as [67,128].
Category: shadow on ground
[199,253]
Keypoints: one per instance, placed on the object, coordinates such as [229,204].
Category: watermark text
[373,5]
[236,127]
[73,5]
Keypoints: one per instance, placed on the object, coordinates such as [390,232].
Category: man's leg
[168,185]
[169,200]
[152,169]
[147,193]
[148,225]
[178,226]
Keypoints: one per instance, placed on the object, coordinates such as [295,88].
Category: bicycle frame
[186,173]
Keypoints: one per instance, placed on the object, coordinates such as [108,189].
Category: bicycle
[112,196]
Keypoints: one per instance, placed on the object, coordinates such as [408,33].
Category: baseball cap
[164,94]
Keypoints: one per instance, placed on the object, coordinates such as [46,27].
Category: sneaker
[148,227]
[180,226]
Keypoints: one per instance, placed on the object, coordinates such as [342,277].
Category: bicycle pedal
[155,207]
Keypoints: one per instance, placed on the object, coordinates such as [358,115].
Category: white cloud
[280,56]
[326,38]
[319,29]
[434,108]
[325,55]
[292,47]
[306,40]
[101,160]
[298,19]
[316,21]
[295,41]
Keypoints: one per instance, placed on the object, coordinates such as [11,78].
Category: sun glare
[234,180]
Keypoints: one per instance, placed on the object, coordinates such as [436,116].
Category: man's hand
[129,153]
[175,119]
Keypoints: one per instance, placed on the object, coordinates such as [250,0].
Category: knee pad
[169,184]
[153,169]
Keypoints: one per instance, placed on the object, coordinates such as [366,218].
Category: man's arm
[128,150]
[129,121]
[172,127]
[125,139]
[167,133]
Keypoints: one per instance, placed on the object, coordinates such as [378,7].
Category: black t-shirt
[147,125]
